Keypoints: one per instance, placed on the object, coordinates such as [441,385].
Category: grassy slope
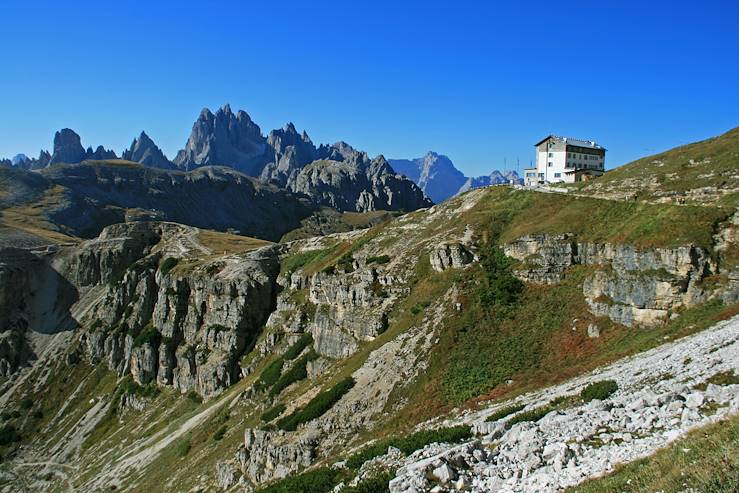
[710,163]
[706,460]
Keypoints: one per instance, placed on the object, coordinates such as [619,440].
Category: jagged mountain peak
[143,150]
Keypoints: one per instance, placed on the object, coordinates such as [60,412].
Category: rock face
[225,139]
[630,286]
[267,456]
[358,184]
[34,298]
[186,327]
[67,147]
[292,151]
[450,255]
[143,150]
[437,176]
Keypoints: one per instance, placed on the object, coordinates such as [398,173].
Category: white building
[565,160]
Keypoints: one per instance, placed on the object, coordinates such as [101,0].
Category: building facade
[565,160]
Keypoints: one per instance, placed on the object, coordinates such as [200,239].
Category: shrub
[8,435]
[220,432]
[501,288]
[129,387]
[297,348]
[346,263]
[296,373]
[7,415]
[381,259]
[599,390]
[270,375]
[317,406]
[26,403]
[531,415]
[149,335]
[506,411]
[409,444]
[183,447]
[319,480]
[376,484]
[194,397]
[273,412]
[37,414]
[168,264]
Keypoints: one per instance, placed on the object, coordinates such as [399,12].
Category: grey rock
[67,147]
[143,150]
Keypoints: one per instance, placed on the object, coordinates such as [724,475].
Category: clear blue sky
[478,81]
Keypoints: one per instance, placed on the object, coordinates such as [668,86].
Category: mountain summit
[224,138]
[437,176]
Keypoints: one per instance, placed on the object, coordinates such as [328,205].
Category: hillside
[170,358]
[704,172]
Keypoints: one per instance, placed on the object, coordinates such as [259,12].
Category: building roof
[575,142]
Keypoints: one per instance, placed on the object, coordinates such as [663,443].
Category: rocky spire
[224,139]
[143,150]
[67,147]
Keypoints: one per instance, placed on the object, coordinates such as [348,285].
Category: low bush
[297,348]
[317,406]
[220,432]
[296,373]
[270,374]
[194,397]
[149,335]
[26,403]
[376,484]
[273,412]
[320,480]
[409,444]
[380,259]
[168,264]
[506,411]
[183,447]
[531,415]
[129,387]
[8,435]
[599,390]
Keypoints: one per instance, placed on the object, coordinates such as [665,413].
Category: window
[541,175]
[550,154]
[558,175]
[530,174]
[549,164]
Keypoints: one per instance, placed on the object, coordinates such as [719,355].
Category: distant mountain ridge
[437,176]
[336,175]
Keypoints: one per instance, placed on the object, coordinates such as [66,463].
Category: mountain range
[339,176]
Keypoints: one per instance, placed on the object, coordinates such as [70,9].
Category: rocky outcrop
[143,150]
[224,138]
[358,184]
[450,255]
[631,286]
[267,456]
[292,151]
[34,298]
[100,154]
[67,147]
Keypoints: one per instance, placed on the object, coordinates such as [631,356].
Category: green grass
[317,406]
[706,460]
[409,444]
[299,260]
[531,415]
[505,412]
[599,390]
[270,374]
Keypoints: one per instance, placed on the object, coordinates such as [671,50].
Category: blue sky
[478,81]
